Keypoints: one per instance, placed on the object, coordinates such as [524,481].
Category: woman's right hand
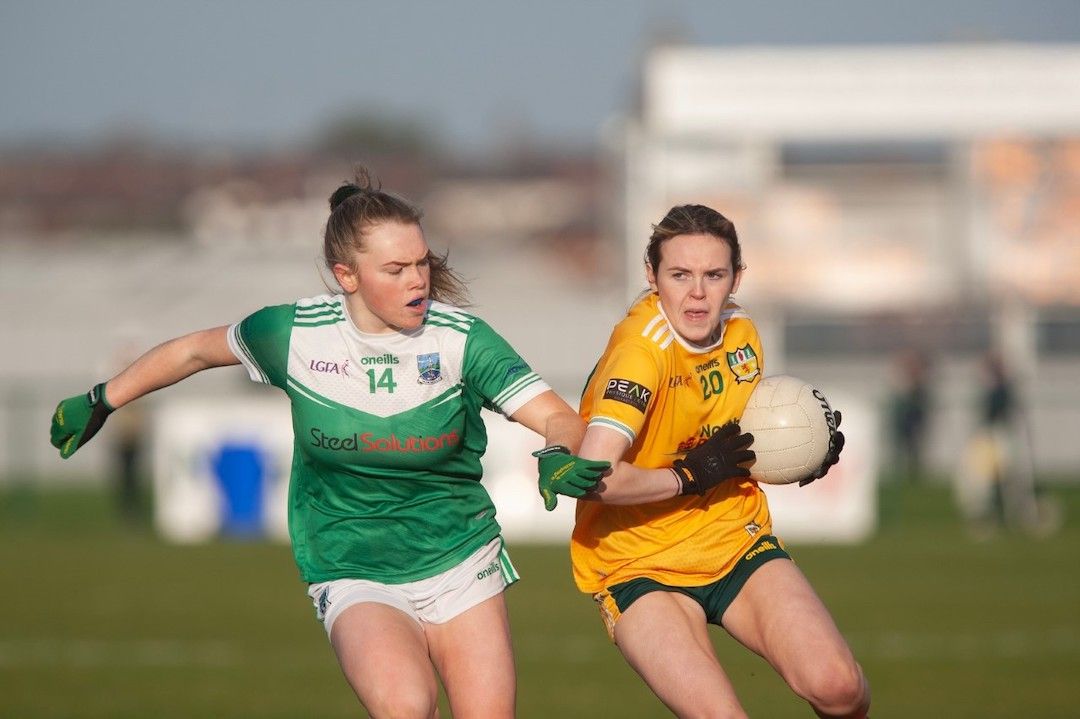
[714,461]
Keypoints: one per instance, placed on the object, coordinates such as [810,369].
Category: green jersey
[385,481]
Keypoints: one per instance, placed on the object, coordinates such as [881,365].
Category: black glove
[709,464]
[836,444]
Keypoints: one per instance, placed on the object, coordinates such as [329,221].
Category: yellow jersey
[666,397]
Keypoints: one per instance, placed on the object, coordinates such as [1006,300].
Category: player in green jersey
[390,526]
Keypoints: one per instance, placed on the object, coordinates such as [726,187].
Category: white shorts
[434,600]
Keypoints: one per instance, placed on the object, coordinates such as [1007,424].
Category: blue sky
[474,72]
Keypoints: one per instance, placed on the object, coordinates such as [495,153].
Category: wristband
[550,450]
[96,396]
[678,481]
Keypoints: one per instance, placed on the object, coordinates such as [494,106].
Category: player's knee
[839,689]
[402,704]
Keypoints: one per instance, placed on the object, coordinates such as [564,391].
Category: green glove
[78,418]
[564,473]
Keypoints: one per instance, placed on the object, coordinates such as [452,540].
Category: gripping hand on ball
[836,445]
[709,464]
[564,473]
[77,419]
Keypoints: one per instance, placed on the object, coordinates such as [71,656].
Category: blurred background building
[905,210]
[916,201]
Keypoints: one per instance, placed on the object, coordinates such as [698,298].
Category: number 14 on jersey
[385,380]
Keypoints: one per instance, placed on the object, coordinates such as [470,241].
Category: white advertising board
[221,468]
[842,506]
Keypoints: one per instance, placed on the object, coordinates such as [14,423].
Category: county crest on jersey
[744,363]
[428,367]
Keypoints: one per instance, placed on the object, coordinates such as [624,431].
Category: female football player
[390,526]
[678,536]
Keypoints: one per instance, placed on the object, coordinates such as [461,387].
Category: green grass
[98,619]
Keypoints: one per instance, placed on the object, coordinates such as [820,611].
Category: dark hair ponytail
[343,193]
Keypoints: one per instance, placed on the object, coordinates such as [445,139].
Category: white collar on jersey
[730,310]
[383,337]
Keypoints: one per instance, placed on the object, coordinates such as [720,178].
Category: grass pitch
[103,620]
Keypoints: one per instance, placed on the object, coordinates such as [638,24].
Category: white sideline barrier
[842,506]
[189,502]
[191,505]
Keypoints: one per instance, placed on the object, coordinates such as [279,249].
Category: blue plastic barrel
[241,471]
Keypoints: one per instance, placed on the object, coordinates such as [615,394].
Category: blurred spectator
[985,469]
[127,437]
[995,486]
[908,410]
[126,465]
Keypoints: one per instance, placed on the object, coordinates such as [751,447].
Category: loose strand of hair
[446,284]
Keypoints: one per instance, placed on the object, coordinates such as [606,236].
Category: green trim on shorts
[509,572]
[714,598]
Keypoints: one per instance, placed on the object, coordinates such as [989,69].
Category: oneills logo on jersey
[752,528]
[428,367]
[744,364]
[627,392]
[708,365]
[387,358]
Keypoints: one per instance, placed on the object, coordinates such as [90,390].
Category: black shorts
[713,598]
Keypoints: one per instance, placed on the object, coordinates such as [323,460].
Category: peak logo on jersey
[627,392]
[744,364]
[326,367]
[428,367]
[387,358]
[368,442]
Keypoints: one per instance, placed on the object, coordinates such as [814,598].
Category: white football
[792,423]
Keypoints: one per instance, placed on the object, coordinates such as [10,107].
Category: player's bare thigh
[383,653]
[778,615]
[473,655]
[664,637]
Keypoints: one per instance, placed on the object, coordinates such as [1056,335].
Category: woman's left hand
[836,445]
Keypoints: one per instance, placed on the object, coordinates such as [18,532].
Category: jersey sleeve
[261,342]
[623,387]
[497,373]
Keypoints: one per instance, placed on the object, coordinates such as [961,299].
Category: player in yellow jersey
[678,536]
